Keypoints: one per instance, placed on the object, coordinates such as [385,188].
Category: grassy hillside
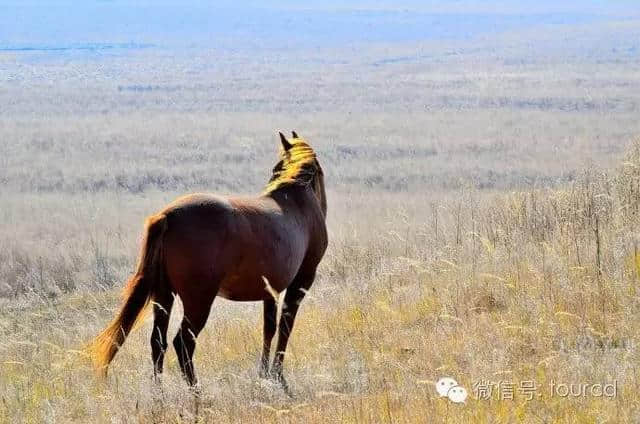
[540,285]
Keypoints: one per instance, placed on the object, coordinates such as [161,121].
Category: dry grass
[538,285]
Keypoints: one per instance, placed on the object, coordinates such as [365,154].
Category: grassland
[484,200]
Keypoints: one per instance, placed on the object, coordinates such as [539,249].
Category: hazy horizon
[107,24]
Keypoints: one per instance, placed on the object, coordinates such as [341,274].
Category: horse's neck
[298,201]
[303,213]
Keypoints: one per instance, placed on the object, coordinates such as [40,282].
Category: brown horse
[202,246]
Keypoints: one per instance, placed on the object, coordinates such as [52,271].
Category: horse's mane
[297,166]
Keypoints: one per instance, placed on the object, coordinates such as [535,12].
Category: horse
[203,245]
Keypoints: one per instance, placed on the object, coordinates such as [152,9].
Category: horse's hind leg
[162,304]
[195,317]
[269,330]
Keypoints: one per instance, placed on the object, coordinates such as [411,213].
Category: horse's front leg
[270,309]
[292,299]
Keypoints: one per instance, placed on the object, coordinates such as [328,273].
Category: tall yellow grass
[538,286]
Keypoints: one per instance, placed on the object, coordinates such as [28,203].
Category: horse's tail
[136,295]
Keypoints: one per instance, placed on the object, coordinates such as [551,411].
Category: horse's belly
[248,288]
[258,280]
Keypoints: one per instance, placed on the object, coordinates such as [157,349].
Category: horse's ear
[285,143]
[294,134]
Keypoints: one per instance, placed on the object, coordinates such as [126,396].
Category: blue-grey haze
[98,25]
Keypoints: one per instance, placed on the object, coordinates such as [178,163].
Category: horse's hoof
[280,381]
[264,373]
[287,391]
[196,390]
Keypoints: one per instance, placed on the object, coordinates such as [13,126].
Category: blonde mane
[297,166]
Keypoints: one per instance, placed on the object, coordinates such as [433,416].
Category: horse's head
[299,166]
